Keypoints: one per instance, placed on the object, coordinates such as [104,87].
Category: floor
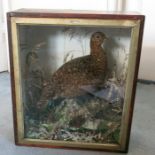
[142,134]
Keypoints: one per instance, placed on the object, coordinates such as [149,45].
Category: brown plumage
[85,70]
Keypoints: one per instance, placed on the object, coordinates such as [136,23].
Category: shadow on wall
[146,70]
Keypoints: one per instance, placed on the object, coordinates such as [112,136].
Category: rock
[91,124]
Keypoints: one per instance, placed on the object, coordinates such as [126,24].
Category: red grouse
[86,70]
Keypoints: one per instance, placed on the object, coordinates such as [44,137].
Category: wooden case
[60,98]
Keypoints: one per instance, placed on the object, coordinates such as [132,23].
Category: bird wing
[76,65]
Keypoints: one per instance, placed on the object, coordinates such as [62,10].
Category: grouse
[91,69]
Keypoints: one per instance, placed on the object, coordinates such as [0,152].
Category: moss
[103,127]
[116,135]
[48,127]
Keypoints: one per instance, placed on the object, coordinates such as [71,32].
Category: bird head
[97,38]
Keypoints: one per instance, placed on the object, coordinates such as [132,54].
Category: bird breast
[100,62]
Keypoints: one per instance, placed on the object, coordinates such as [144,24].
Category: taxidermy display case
[73,76]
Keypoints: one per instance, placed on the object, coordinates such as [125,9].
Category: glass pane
[73,81]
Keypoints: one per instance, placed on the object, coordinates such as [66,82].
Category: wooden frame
[75,18]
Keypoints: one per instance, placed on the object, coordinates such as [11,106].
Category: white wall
[145,7]
[147,65]
[61,4]
[3,51]
[147,61]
